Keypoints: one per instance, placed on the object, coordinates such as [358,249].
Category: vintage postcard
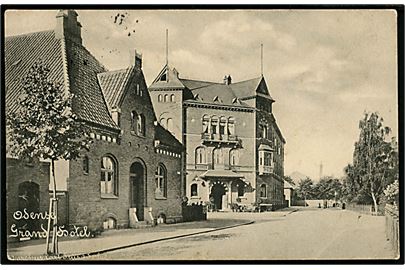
[201,134]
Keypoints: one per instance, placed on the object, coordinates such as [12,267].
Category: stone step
[142,224]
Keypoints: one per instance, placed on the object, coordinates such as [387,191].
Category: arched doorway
[217,192]
[28,198]
[137,184]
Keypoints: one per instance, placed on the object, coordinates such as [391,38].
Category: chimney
[227,80]
[135,59]
[67,26]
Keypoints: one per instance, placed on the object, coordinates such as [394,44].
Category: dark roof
[246,88]
[113,85]
[231,94]
[60,56]
[166,138]
[193,84]
[21,52]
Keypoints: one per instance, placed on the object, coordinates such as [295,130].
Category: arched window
[200,155]
[86,164]
[108,181]
[172,98]
[163,122]
[234,157]
[214,125]
[222,125]
[159,98]
[264,132]
[166,98]
[141,125]
[205,123]
[134,117]
[241,190]
[231,126]
[109,223]
[160,181]
[263,191]
[194,190]
[170,124]
[217,157]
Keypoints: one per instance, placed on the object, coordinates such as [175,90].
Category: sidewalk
[115,239]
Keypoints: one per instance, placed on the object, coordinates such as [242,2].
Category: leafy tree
[45,127]
[327,188]
[305,189]
[392,193]
[375,162]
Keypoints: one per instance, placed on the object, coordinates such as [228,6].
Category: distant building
[133,169]
[235,149]
[289,193]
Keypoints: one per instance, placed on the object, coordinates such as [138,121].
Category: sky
[324,68]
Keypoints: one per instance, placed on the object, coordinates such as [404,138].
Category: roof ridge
[29,34]
[247,80]
[115,71]
[199,81]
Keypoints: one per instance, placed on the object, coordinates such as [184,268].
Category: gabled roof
[82,69]
[113,84]
[166,138]
[288,185]
[62,57]
[193,84]
[216,93]
[167,79]
[21,52]
[230,94]
[250,88]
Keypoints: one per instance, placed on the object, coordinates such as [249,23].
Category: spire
[261,59]
[167,47]
[320,170]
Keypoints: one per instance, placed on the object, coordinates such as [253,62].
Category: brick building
[132,172]
[235,150]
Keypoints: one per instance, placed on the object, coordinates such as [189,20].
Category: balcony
[265,169]
[210,139]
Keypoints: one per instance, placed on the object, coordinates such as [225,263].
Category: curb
[77,256]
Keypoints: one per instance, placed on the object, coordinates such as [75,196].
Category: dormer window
[163,78]
[217,99]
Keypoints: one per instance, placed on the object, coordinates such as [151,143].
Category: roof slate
[166,138]
[22,51]
[82,69]
[113,84]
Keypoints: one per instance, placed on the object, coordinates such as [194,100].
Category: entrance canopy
[223,174]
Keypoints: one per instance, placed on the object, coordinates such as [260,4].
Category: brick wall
[85,200]
[18,172]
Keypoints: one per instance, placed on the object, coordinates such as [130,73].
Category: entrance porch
[225,188]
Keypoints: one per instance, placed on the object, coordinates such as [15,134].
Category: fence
[392,226]
[365,208]
[194,212]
